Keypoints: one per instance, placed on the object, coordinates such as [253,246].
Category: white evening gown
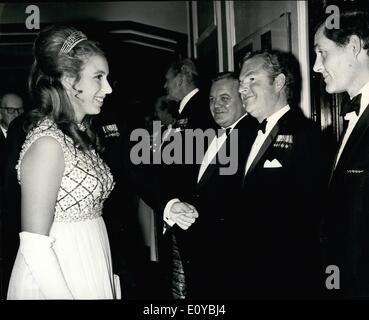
[81,241]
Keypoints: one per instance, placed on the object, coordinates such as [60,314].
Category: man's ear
[179,79]
[355,44]
[279,81]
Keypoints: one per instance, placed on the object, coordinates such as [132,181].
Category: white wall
[253,15]
[169,15]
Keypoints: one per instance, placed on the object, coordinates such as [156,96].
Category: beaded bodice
[86,181]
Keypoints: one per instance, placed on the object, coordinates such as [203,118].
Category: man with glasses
[11,106]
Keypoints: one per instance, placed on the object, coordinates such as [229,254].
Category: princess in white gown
[64,248]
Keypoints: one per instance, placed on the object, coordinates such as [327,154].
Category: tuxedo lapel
[207,174]
[212,166]
[245,129]
[353,140]
[2,138]
[188,114]
[263,148]
[333,165]
[2,142]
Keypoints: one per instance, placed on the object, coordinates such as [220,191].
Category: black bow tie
[262,126]
[352,105]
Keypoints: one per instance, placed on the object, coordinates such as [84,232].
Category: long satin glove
[40,257]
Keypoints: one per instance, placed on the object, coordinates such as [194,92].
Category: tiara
[73,39]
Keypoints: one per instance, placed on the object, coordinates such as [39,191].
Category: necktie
[352,105]
[262,125]
[224,131]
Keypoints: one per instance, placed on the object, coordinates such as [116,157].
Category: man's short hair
[10,93]
[228,75]
[277,62]
[351,22]
[186,67]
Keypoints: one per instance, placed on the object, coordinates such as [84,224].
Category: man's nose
[217,103]
[318,67]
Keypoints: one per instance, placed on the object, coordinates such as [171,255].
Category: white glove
[40,257]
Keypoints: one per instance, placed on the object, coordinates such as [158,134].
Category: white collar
[3,130]
[186,98]
[235,123]
[364,98]
[273,119]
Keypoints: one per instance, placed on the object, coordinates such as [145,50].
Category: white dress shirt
[261,137]
[187,98]
[214,147]
[3,130]
[353,118]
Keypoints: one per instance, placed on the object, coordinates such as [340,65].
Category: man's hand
[183,214]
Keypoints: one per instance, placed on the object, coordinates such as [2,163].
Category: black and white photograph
[184,157]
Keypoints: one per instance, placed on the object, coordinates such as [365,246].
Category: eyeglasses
[13,111]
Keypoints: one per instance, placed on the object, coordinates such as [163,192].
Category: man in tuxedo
[213,249]
[11,139]
[278,218]
[182,85]
[11,106]
[193,113]
[342,57]
[177,180]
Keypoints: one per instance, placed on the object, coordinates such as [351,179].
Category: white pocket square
[272,164]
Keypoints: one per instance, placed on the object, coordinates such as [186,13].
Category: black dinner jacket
[156,184]
[346,224]
[279,221]
[213,183]
[209,246]
[2,169]
[2,151]
[11,217]
[179,180]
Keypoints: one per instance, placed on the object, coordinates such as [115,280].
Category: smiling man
[225,103]
[342,58]
[215,246]
[280,188]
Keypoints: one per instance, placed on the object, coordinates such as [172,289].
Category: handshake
[183,214]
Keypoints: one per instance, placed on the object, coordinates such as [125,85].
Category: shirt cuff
[167,218]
